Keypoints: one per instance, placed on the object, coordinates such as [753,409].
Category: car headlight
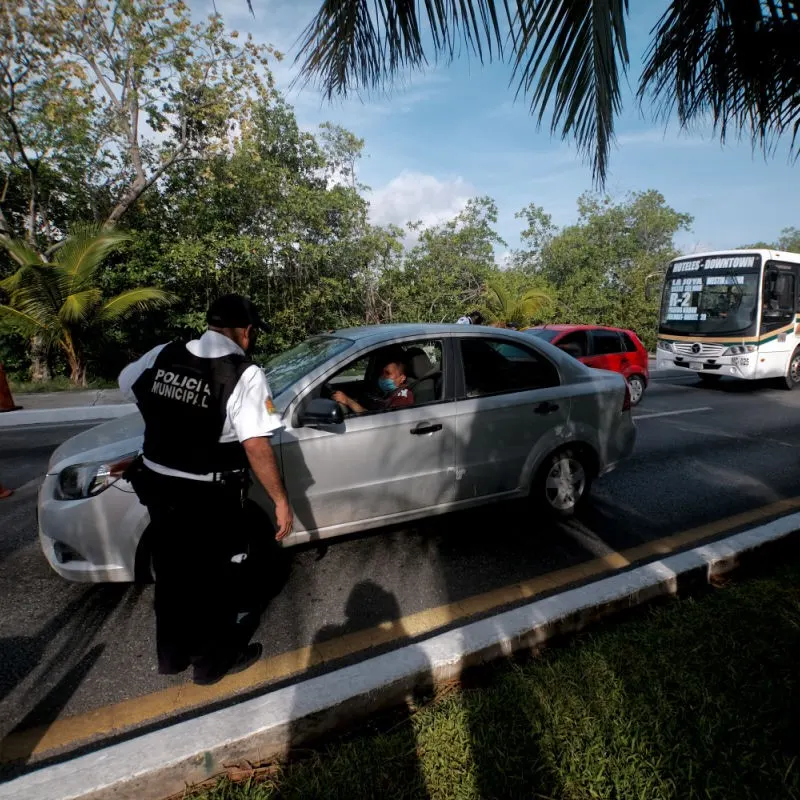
[739,349]
[87,480]
[665,346]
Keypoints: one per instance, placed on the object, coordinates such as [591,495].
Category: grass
[61,384]
[695,699]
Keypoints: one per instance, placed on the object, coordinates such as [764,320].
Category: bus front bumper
[743,366]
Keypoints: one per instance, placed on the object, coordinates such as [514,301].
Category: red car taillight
[626,403]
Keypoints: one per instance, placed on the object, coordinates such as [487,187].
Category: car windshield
[709,297]
[290,366]
[543,333]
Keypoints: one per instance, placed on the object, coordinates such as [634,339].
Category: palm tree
[506,308]
[59,302]
[731,61]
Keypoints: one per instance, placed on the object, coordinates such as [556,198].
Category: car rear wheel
[563,483]
[636,386]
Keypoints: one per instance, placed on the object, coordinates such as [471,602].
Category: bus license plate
[741,361]
[698,365]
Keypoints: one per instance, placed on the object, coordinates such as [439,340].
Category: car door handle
[426,427]
[545,408]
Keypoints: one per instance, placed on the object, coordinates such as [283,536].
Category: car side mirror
[321,411]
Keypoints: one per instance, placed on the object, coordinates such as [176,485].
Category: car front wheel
[563,483]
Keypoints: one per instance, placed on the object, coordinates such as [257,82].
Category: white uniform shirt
[463,321]
[250,411]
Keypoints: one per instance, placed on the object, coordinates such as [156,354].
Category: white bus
[732,313]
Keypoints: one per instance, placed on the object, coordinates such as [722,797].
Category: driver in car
[392,383]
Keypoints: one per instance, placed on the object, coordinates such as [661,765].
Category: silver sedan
[494,415]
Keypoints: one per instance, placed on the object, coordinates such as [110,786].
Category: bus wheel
[792,376]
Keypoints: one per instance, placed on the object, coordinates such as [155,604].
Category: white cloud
[413,196]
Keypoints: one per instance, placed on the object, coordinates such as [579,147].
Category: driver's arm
[341,397]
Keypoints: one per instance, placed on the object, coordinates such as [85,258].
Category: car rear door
[605,350]
[509,397]
[374,466]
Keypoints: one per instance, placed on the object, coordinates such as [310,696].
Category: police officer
[208,416]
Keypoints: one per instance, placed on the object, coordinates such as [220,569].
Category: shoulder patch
[270,405]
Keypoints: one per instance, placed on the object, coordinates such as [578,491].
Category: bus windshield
[714,295]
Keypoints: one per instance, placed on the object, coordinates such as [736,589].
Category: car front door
[509,399]
[377,467]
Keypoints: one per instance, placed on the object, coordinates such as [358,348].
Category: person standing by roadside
[208,416]
[473,318]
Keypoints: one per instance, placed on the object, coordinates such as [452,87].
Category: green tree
[789,239]
[446,271]
[732,62]
[116,96]
[598,267]
[60,301]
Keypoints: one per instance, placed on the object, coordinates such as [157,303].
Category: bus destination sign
[736,262]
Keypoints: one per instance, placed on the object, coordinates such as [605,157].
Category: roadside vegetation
[699,698]
[170,129]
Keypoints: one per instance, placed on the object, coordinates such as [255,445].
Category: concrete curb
[161,763]
[49,416]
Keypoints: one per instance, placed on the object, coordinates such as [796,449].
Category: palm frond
[534,301]
[37,290]
[79,306]
[84,251]
[735,62]
[569,59]
[20,251]
[506,307]
[364,43]
[134,300]
[567,54]
[24,323]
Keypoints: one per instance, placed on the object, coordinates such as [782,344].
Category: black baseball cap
[234,311]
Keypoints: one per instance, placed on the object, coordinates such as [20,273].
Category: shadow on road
[60,675]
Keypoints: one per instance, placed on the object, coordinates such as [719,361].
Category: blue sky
[454,132]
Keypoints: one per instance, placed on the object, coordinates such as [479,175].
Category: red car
[603,348]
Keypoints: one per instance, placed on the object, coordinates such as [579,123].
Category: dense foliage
[172,133]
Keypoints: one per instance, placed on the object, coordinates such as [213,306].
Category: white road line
[672,413]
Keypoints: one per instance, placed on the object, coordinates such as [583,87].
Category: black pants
[197,528]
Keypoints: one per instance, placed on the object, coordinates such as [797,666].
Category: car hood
[109,440]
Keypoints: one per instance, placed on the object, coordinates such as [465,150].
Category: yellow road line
[119,717]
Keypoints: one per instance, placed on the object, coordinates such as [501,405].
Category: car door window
[494,367]
[629,346]
[422,364]
[605,343]
[574,343]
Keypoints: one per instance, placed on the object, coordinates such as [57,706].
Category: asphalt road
[702,455]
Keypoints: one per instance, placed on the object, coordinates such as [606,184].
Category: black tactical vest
[183,399]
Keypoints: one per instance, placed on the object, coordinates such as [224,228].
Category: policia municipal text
[208,415]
